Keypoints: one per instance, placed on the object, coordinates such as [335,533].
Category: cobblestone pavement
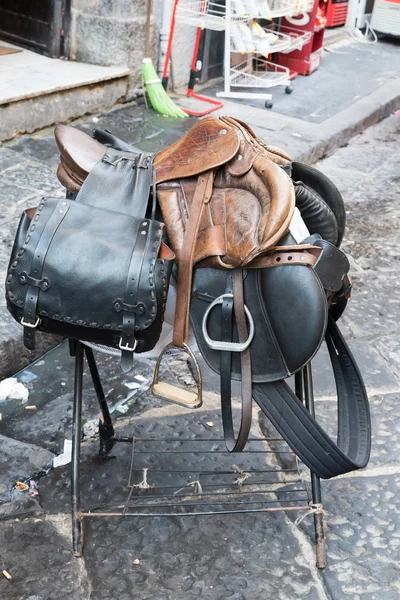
[237,557]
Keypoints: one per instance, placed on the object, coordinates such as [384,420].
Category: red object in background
[336,13]
[308,59]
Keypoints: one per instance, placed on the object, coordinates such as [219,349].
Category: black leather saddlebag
[90,274]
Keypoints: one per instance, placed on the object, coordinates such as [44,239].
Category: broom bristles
[158,97]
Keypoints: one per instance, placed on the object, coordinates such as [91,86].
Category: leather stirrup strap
[302,432]
[202,196]
[236,303]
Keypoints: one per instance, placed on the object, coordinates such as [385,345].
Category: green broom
[158,97]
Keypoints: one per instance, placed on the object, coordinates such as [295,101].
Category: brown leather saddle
[224,197]
[259,303]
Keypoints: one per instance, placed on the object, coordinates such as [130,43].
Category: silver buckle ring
[31,325]
[227,346]
[127,346]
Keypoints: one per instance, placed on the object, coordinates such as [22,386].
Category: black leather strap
[130,304]
[302,432]
[35,275]
[235,304]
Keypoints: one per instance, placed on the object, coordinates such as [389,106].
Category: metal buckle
[174,393]
[227,346]
[127,346]
[31,325]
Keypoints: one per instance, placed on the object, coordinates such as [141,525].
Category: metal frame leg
[315,480]
[106,429]
[77,533]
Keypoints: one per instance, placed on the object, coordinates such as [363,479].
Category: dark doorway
[211,51]
[39,25]
[212,54]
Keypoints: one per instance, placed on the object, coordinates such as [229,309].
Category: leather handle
[202,196]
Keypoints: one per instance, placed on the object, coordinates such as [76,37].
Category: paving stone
[22,506]
[42,147]
[389,347]
[14,200]
[19,460]
[238,557]
[375,309]
[355,154]
[376,371]
[34,176]
[363,538]
[40,562]
[8,158]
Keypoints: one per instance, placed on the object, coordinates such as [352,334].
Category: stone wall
[113,32]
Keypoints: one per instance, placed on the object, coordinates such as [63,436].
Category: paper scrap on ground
[91,428]
[132,385]
[122,406]
[65,457]
[11,388]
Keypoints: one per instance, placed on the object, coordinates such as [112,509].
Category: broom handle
[169,47]
[148,19]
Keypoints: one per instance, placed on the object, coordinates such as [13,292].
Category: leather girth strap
[202,196]
[234,301]
[302,432]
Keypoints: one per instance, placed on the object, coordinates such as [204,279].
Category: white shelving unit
[254,72]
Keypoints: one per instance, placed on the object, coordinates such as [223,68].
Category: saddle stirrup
[173,393]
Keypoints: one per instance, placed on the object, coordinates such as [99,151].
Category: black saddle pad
[289,309]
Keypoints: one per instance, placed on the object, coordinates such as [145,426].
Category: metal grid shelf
[207,14]
[264,75]
[192,477]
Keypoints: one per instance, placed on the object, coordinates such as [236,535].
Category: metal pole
[298,385]
[106,429]
[77,537]
[315,480]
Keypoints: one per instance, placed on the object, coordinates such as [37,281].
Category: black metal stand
[106,434]
[275,495]
[304,391]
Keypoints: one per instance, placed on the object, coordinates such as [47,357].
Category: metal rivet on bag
[303,258]
[60,212]
[239,157]
[144,224]
[22,278]
[223,132]
[143,232]
[141,309]
[63,203]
